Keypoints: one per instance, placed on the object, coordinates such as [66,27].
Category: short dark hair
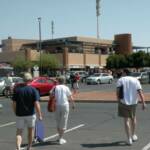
[127,71]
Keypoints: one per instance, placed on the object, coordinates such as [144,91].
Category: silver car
[99,78]
[3,83]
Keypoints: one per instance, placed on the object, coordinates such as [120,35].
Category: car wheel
[7,93]
[98,81]
[4,92]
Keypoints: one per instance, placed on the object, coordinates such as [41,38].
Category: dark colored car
[43,84]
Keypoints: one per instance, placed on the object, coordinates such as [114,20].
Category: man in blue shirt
[25,100]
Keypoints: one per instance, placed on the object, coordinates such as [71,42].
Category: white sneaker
[134,138]
[62,141]
[129,141]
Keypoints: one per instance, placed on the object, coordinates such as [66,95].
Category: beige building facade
[71,52]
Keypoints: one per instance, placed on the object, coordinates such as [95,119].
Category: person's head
[8,75]
[61,80]
[126,72]
[27,77]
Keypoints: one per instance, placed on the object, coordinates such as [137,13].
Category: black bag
[120,94]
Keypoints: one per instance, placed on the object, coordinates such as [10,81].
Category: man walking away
[25,100]
[128,89]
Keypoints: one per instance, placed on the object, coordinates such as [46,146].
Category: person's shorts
[126,111]
[25,120]
[75,86]
[61,114]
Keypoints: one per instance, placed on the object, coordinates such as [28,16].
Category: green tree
[147,60]
[116,61]
[139,59]
[48,61]
[135,60]
[20,64]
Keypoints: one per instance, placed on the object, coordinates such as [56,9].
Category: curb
[93,101]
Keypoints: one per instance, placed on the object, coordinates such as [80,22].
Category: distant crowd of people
[25,101]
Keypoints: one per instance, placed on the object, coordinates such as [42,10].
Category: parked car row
[45,84]
[42,84]
[83,75]
[99,78]
[96,78]
[143,77]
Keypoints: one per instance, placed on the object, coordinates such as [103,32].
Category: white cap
[27,76]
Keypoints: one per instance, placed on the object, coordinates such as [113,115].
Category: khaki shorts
[126,111]
[61,114]
[25,120]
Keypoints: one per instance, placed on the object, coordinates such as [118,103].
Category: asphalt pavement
[91,126]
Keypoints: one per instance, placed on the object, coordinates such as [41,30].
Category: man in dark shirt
[25,100]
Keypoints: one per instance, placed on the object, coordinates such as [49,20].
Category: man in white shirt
[62,93]
[128,89]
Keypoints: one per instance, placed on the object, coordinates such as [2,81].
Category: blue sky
[75,18]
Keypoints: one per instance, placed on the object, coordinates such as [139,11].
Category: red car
[43,84]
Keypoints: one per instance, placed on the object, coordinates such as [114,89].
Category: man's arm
[14,106]
[72,101]
[141,94]
[38,109]
[117,94]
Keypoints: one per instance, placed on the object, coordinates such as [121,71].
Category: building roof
[82,39]
[140,47]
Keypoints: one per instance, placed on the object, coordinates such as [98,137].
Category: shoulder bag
[51,106]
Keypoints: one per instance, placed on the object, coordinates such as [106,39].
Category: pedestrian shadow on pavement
[94,145]
[39,144]
[45,143]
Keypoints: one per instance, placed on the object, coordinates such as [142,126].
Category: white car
[3,83]
[143,77]
[99,78]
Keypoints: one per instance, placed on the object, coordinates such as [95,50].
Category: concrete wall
[11,56]
[14,44]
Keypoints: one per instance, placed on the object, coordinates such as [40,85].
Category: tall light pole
[52,27]
[40,44]
[97,15]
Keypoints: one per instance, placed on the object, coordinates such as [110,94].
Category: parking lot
[91,126]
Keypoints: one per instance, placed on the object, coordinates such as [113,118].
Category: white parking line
[69,130]
[7,124]
[146,147]
[55,135]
